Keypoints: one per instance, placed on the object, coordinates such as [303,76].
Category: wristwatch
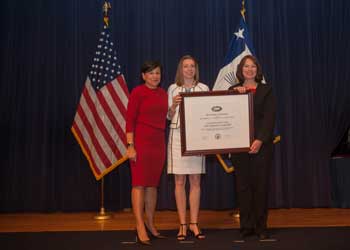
[130,144]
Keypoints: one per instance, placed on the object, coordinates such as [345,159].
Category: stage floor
[168,220]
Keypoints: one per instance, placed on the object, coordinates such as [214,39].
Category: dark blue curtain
[46,50]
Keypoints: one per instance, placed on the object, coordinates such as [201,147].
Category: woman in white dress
[186,80]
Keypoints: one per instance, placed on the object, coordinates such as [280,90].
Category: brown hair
[239,72]
[179,77]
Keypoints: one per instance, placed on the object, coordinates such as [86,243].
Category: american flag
[99,122]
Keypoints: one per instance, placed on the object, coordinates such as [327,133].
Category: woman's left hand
[131,153]
[255,147]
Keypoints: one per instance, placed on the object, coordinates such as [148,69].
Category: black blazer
[264,112]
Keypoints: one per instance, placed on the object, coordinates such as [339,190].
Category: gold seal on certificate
[216,122]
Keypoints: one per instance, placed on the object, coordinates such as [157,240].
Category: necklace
[188,87]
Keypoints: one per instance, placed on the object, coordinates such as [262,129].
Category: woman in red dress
[145,134]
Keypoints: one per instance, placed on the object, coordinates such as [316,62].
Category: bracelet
[130,144]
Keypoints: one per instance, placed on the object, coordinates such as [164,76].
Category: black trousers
[252,183]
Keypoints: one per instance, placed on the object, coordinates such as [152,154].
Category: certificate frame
[216,122]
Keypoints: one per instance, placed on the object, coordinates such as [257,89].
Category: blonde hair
[179,77]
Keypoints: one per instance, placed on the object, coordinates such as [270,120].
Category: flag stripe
[117,109]
[98,119]
[117,132]
[120,121]
[120,110]
[93,142]
[122,90]
[90,146]
[89,152]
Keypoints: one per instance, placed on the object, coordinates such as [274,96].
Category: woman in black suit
[253,168]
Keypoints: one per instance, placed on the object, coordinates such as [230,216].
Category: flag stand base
[102,215]
[235,214]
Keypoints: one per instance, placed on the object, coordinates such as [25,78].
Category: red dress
[146,116]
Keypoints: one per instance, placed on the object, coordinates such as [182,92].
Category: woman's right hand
[172,109]
[176,101]
[131,153]
[240,89]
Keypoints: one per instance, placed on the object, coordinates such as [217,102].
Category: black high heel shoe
[182,232]
[154,236]
[199,235]
[142,242]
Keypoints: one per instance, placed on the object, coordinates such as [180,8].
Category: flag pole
[243,10]
[231,169]
[102,215]
[105,8]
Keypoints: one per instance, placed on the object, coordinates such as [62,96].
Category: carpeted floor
[332,238]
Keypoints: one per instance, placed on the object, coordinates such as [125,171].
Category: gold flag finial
[243,10]
[105,8]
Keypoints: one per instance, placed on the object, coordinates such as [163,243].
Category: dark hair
[148,66]
[239,73]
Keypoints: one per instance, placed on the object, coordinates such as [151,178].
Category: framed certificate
[216,122]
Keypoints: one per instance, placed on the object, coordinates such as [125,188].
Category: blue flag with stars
[240,46]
